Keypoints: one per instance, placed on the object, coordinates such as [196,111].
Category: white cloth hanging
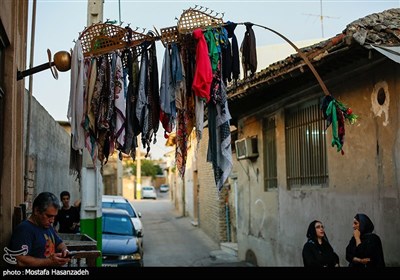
[75,112]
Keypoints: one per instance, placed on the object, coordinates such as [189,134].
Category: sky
[59,22]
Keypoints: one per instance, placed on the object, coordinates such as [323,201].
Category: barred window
[306,162]
[270,169]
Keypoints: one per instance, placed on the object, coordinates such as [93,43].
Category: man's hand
[73,226]
[59,259]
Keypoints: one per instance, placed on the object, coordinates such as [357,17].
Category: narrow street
[170,240]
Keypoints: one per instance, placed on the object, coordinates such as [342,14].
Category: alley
[170,240]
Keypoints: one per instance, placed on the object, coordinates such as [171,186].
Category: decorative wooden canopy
[190,20]
[102,38]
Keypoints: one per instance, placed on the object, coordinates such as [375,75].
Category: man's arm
[63,249]
[54,260]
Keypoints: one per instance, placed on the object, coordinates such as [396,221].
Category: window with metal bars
[270,169]
[306,160]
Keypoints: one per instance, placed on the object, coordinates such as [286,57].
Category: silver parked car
[120,202]
[120,243]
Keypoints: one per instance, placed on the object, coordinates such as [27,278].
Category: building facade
[13,38]
[291,172]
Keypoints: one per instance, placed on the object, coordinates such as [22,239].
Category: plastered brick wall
[49,155]
[212,205]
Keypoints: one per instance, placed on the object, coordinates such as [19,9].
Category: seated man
[35,238]
[68,216]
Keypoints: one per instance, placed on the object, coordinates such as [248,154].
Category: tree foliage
[148,168]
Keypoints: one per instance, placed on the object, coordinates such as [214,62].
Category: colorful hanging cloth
[203,73]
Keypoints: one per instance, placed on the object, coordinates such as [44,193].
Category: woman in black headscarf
[365,247]
[317,252]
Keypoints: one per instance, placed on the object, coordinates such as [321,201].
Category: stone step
[230,247]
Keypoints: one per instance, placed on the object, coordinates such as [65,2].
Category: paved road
[170,240]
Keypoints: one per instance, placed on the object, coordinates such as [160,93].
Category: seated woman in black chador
[317,252]
[365,247]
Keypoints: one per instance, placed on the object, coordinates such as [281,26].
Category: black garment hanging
[249,52]
[230,55]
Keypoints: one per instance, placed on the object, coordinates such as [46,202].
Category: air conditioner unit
[246,148]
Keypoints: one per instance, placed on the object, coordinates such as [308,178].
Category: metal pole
[119,11]
[138,170]
[28,117]
[322,21]
[33,70]
[301,54]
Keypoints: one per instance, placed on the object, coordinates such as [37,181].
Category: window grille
[306,160]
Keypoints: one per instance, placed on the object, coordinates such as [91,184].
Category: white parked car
[149,192]
[120,202]
[164,188]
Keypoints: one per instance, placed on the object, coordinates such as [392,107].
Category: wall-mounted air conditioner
[246,148]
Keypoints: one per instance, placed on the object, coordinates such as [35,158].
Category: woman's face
[319,230]
[356,225]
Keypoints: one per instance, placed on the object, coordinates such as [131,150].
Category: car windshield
[147,188]
[117,205]
[120,225]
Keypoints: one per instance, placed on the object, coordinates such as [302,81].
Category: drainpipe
[138,190]
[28,117]
[228,222]
[183,198]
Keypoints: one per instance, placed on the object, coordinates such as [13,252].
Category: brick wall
[212,205]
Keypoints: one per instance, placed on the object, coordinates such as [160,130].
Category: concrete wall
[273,224]
[178,197]
[50,154]
[128,187]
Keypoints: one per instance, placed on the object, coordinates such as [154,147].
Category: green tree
[148,168]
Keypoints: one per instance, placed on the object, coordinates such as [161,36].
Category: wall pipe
[28,119]
[228,222]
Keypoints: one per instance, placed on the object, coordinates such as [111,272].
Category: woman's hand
[361,260]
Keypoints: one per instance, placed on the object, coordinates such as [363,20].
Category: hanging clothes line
[102,38]
[114,100]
